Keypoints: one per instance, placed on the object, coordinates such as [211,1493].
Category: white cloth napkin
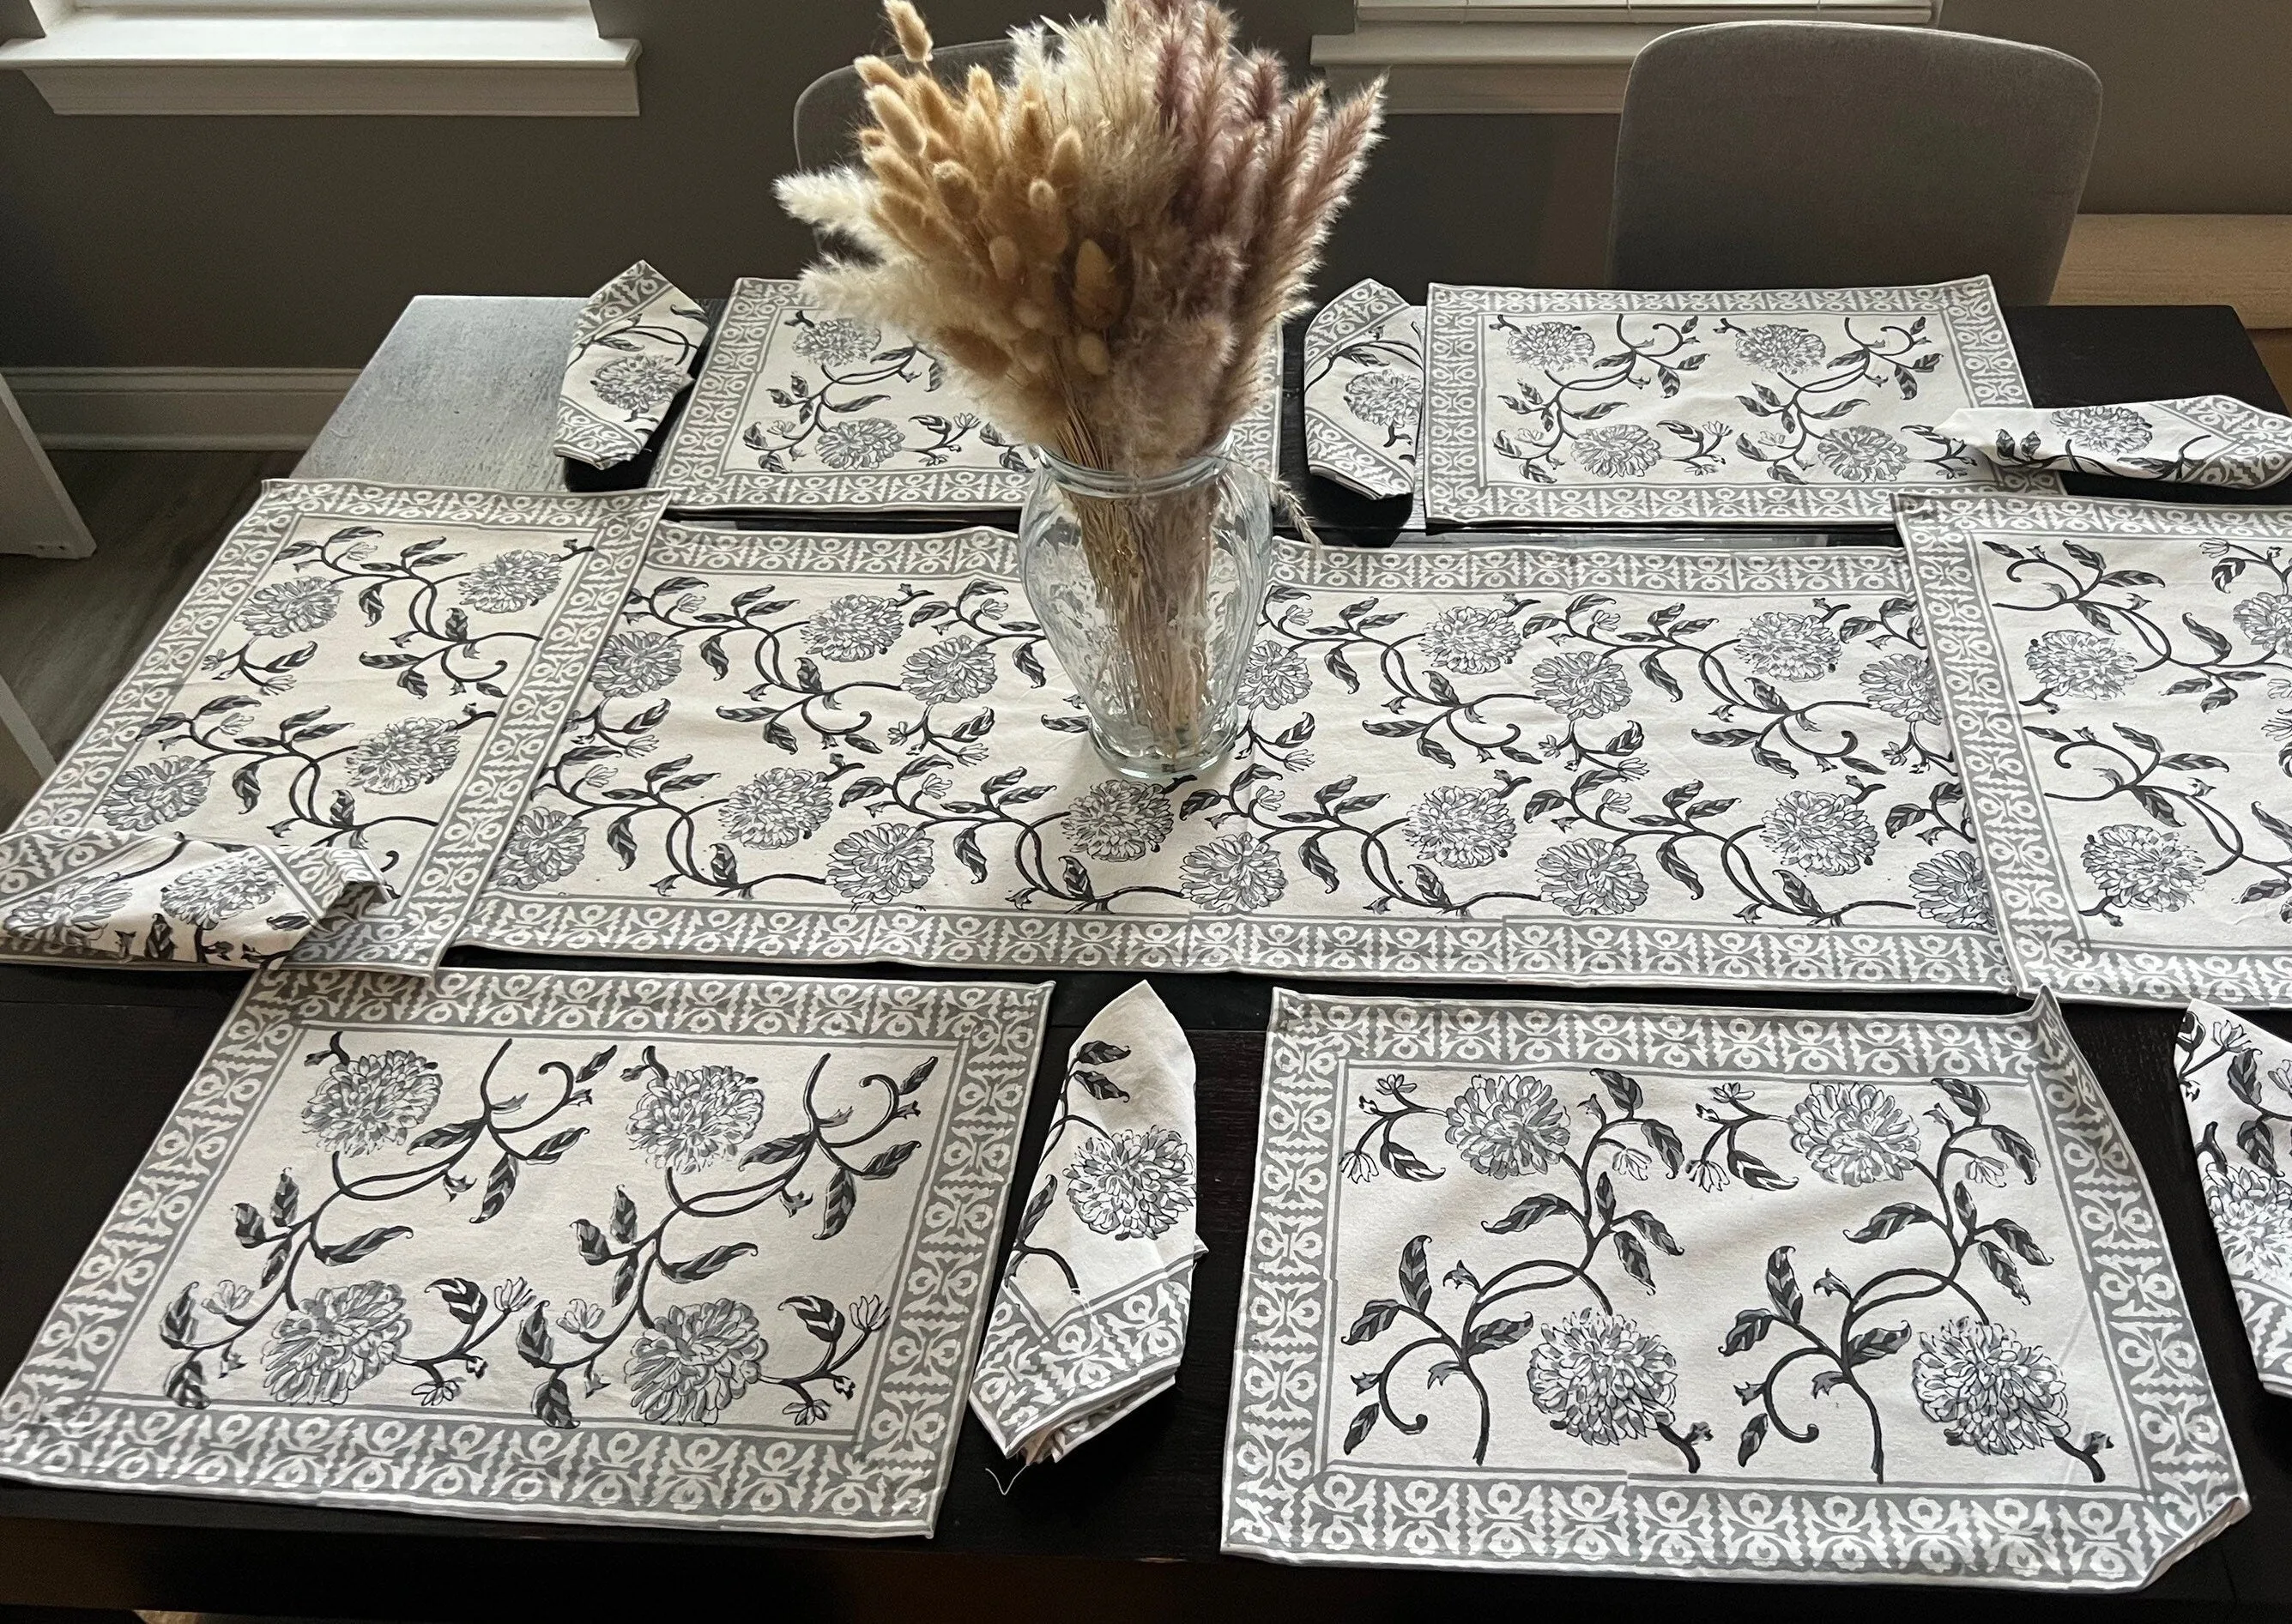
[2236,1082]
[1365,389]
[2207,440]
[633,352]
[1090,1319]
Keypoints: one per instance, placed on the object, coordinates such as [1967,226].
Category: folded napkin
[2236,1081]
[633,352]
[2207,440]
[1090,1319]
[1365,389]
[168,898]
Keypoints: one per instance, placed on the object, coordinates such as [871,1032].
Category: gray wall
[293,242]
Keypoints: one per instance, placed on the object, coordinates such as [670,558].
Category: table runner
[705,1252]
[798,408]
[1493,762]
[1795,405]
[1710,1293]
[2119,678]
[367,668]
[2236,1086]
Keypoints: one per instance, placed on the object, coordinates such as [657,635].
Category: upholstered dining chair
[1848,155]
[833,107]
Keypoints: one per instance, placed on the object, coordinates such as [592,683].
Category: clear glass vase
[1149,589]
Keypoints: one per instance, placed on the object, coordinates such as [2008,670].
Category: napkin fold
[1365,389]
[169,898]
[634,348]
[1090,1319]
[2236,1083]
[2205,439]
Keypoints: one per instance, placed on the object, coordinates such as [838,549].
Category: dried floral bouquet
[1103,244]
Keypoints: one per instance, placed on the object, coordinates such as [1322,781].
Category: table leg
[37,515]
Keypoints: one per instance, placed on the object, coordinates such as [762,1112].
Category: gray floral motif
[214,892]
[860,442]
[690,1119]
[1822,833]
[339,1338]
[852,628]
[155,792]
[1580,686]
[777,808]
[71,912]
[1274,676]
[1458,827]
[1551,345]
[1903,685]
[543,847]
[1990,1390]
[949,673]
[285,608]
[2080,663]
[1779,347]
[639,384]
[1863,453]
[1789,648]
[2113,429]
[880,862]
[1116,821]
[2266,618]
[1232,874]
[1470,640]
[687,1367]
[1586,877]
[2137,866]
[1949,889]
[1600,1379]
[1507,1124]
[2252,1214]
[1617,451]
[1383,399]
[512,582]
[1132,1185]
[372,1100]
[634,663]
[838,342]
[1853,1133]
[408,753]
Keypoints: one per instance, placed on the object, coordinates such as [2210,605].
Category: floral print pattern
[155,792]
[880,863]
[949,673]
[2136,866]
[689,1365]
[512,582]
[1507,1126]
[1461,828]
[544,848]
[298,604]
[1117,820]
[2112,429]
[214,892]
[635,663]
[1469,641]
[864,442]
[1853,1133]
[1990,1390]
[1789,648]
[1580,686]
[639,384]
[1233,873]
[371,1100]
[1600,1379]
[854,627]
[2079,663]
[1132,1185]
[690,1119]
[1274,677]
[340,1338]
[1820,833]
[777,808]
[406,755]
[1592,878]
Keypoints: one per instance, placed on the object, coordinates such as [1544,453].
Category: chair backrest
[1848,155]
[829,114]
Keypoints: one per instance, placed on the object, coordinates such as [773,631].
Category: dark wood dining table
[91,1061]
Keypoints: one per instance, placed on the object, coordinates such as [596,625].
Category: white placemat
[1790,406]
[367,667]
[2118,676]
[1492,761]
[1710,1293]
[2205,439]
[708,1253]
[2236,1084]
[798,408]
[1364,391]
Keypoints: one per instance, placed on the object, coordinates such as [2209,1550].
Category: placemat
[1788,407]
[2118,676]
[1493,762]
[798,408]
[1710,1293]
[709,1253]
[362,666]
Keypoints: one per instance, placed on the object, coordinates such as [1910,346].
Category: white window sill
[533,67]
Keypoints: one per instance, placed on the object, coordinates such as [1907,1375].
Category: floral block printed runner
[362,686]
[1491,762]
[1807,406]
[635,1248]
[798,408]
[2119,678]
[1710,1293]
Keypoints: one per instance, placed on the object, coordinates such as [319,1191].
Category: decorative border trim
[1332,450]
[57,1427]
[1093,1357]
[1456,490]
[2037,915]
[1283,1502]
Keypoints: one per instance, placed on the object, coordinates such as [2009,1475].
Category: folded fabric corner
[1365,389]
[1089,1322]
[2205,439]
[2236,1084]
[634,350]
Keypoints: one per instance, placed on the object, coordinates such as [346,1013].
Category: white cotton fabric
[1365,389]
[634,350]
[2236,1083]
[2204,440]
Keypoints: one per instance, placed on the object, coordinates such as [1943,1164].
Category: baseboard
[178,409]
[2240,259]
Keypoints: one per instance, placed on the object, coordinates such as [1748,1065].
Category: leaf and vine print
[2236,1083]
[634,350]
[2208,439]
[1364,389]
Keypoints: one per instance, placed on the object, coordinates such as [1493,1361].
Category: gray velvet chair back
[832,107]
[1848,155]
